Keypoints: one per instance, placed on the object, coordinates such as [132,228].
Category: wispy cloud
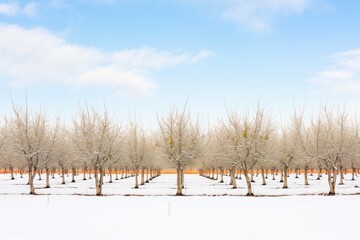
[259,14]
[15,9]
[343,75]
[35,55]
[9,9]
[256,15]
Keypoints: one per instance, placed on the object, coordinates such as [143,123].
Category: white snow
[158,215]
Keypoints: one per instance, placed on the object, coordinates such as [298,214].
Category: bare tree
[182,141]
[96,139]
[247,139]
[136,148]
[32,138]
[328,140]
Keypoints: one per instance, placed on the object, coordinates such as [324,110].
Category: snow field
[156,214]
[118,217]
[166,185]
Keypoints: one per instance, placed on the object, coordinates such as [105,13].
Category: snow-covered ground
[166,185]
[158,215]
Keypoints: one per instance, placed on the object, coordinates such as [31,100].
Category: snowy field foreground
[118,217]
[157,215]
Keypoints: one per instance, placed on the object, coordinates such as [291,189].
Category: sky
[139,57]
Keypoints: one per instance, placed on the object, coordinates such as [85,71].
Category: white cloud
[30,9]
[9,9]
[35,55]
[349,59]
[343,76]
[14,9]
[335,74]
[259,14]
[256,15]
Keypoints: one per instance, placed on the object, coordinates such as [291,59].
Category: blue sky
[141,56]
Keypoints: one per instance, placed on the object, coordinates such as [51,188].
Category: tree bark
[221,175]
[142,176]
[32,171]
[248,184]
[47,170]
[116,174]
[179,182]
[319,174]
[273,174]
[53,173]
[332,181]
[73,172]
[182,178]
[63,175]
[12,173]
[84,173]
[285,176]
[353,173]
[98,184]
[136,178]
[341,176]
[252,175]
[39,173]
[110,174]
[263,176]
[306,175]
[232,176]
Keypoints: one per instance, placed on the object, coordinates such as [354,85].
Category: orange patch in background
[173,171]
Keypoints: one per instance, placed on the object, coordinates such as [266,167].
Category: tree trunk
[84,173]
[252,175]
[39,173]
[353,173]
[47,170]
[341,176]
[12,173]
[232,176]
[116,174]
[179,182]
[319,174]
[263,176]
[266,173]
[63,175]
[136,178]
[248,184]
[73,172]
[332,181]
[281,175]
[110,174]
[147,175]
[98,184]
[53,173]
[273,174]
[122,173]
[306,175]
[285,177]
[221,175]
[32,171]
[142,176]
[102,174]
[182,178]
